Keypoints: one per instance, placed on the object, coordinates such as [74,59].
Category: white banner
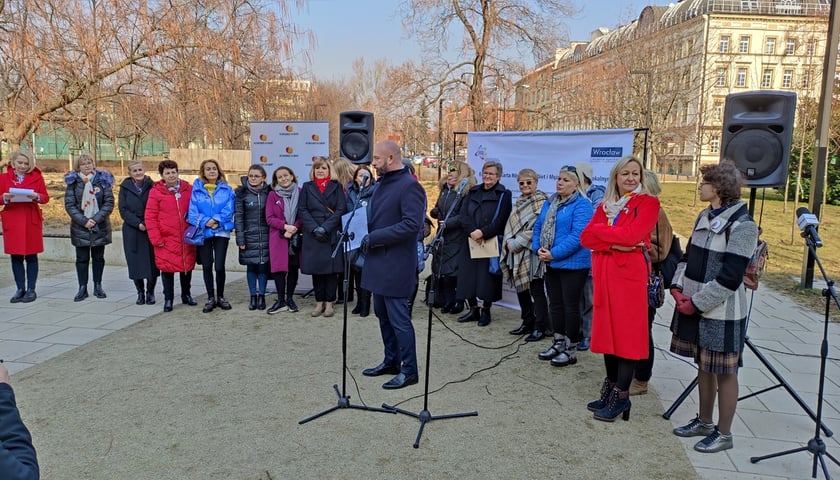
[546,151]
[290,144]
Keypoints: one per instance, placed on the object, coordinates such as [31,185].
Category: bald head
[387,156]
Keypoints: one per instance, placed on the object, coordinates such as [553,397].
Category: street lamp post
[648,113]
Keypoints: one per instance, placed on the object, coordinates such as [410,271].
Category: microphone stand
[816,446]
[343,398]
[425,416]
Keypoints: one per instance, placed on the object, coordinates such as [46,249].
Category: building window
[787,79]
[741,78]
[717,111]
[714,145]
[812,47]
[770,46]
[790,46]
[744,44]
[721,77]
[806,79]
[767,78]
[724,44]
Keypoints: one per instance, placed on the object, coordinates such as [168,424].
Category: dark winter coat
[474,277]
[18,460]
[395,224]
[23,222]
[139,255]
[325,210]
[278,244]
[100,234]
[250,223]
[166,221]
[454,240]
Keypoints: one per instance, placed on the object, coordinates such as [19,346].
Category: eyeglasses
[452,169]
[525,182]
[700,185]
[568,168]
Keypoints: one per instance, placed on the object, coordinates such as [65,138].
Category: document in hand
[21,194]
[488,248]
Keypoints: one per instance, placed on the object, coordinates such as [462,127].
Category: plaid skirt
[708,360]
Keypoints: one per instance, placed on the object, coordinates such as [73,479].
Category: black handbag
[294,243]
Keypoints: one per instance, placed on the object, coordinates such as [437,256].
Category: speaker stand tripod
[425,416]
[343,398]
[816,446]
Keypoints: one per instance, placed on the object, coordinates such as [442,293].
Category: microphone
[462,186]
[806,222]
[365,179]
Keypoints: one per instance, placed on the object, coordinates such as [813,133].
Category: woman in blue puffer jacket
[211,210]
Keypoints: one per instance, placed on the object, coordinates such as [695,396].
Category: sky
[349,29]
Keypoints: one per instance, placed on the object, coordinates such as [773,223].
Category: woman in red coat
[619,236]
[23,222]
[166,222]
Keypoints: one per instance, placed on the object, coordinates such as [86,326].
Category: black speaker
[356,136]
[757,133]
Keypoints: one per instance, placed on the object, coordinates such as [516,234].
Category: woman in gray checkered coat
[710,319]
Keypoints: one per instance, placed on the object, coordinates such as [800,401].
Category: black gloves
[320,234]
[365,244]
[435,213]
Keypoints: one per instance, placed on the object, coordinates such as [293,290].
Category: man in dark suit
[394,224]
[17,455]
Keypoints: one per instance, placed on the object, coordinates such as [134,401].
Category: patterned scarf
[520,267]
[614,206]
[547,234]
[89,203]
[290,197]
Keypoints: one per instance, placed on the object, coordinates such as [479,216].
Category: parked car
[417,159]
[430,162]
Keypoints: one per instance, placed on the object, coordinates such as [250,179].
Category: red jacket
[166,222]
[23,223]
[619,279]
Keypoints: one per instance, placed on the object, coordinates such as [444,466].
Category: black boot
[359,302]
[141,293]
[457,307]
[290,302]
[473,315]
[187,299]
[364,299]
[484,319]
[97,291]
[606,388]
[81,294]
[260,302]
[252,305]
[617,404]
[278,306]
[167,305]
[209,305]
[150,291]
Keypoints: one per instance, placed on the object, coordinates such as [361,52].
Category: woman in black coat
[322,203]
[89,201]
[252,233]
[358,196]
[445,263]
[477,218]
[139,255]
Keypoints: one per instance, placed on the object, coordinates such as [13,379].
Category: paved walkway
[788,336]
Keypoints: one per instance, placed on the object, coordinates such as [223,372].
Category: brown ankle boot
[319,309]
[638,387]
[329,309]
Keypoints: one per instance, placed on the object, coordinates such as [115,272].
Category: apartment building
[671,69]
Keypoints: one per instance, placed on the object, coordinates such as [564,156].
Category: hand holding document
[486,249]
[21,195]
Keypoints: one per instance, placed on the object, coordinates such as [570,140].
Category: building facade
[671,70]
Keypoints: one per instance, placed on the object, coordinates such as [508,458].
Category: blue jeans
[397,332]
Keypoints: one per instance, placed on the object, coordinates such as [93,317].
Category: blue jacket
[571,219]
[397,209]
[17,455]
[219,207]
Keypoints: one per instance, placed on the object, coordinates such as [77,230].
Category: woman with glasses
[89,201]
[619,235]
[556,242]
[281,213]
[521,265]
[454,240]
[710,321]
[252,233]
[212,210]
[485,211]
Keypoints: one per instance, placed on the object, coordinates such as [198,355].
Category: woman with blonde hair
[322,203]
[23,222]
[212,210]
[89,201]
[618,236]
[445,262]
[139,254]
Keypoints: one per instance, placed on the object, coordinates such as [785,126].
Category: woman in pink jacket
[283,224]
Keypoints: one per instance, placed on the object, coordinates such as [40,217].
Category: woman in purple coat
[283,224]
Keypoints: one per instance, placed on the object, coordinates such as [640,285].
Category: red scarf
[321,183]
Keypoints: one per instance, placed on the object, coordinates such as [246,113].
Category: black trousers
[325,287]
[168,280]
[565,288]
[644,368]
[90,256]
[212,256]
